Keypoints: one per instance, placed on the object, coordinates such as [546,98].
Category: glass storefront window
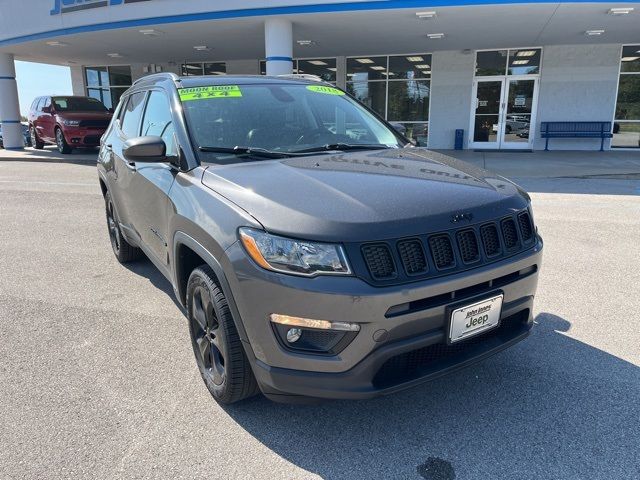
[190,69]
[525,61]
[408,101]
[107,84]
[362,69]
[409,66]
[626,126]
[372,94]
[491,63]
[97,76]
[219,68]
[630,61]
[325,68]
[120,75]
[418,132]
[626,135]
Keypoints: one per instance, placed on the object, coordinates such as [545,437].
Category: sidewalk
[555,164]
[539,164]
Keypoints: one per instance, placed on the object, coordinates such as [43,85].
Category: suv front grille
[379,261]
[490,240]
[409,259]
[468,244]
[442,252]
[94,123]
[509,233]
[524,219]
[412,256]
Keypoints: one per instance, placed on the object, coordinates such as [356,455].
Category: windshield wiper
[344,146]
[238,150]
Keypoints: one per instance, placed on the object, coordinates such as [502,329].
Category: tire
[35,141]
[61,142]
[217,347]
[123,251]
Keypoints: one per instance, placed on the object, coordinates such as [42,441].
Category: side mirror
[46,109]
[145,150]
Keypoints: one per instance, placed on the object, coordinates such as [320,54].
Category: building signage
[65,6]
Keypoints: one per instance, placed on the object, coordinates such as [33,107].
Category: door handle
[130,165]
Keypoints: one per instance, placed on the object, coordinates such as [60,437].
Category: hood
[361,196]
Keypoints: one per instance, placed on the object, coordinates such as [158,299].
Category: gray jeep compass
[316,251]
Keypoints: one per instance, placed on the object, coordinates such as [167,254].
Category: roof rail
[302,76]
[158,76]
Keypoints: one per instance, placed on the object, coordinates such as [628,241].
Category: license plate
[474,319]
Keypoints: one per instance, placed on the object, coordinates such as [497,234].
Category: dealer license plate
[474,319]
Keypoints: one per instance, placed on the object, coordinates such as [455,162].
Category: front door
[504,114]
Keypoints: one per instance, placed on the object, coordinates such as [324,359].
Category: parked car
[25,135]
[317,253]
[68,122]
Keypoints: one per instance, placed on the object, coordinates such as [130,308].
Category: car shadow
[49,154]
[145,268]
[550,407]
[600,185]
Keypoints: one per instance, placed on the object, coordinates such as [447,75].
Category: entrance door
[505,113]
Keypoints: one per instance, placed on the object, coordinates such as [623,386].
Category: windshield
[78,104]
[285,118]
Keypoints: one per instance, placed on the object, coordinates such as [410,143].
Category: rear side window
[131,114]
[157,120]
[34,104]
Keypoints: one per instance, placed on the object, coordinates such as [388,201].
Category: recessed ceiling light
[201,48]
[364,60]
[630,59]
[415,59]
[377,67]
[519,62]
[317,62]
[151,32]
[620,11]
[526,53]
[114,55]
[425,15]
[333,69]
[435,36]
[423,66]
[305,42]
[594,32]
[389,74]
[55,43]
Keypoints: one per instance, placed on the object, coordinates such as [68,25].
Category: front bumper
[83,137]
[412,346]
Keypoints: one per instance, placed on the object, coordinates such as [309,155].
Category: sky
[36,79]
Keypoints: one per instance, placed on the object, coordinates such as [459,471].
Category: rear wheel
[61,143]
[123,251]
[218,349]
[35,141]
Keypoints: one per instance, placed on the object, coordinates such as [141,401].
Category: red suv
[68,122]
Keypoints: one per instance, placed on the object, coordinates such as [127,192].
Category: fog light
[311,323]
[293,335]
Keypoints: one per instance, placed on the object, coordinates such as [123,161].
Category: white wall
[451,82]
[577,82]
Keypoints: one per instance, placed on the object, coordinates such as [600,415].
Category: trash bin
[459,139]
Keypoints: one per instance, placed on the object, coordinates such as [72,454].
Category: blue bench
[599,130]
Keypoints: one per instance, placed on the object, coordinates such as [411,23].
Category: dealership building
[494,69]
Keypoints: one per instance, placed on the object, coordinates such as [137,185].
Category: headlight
[294,256]
[71,123]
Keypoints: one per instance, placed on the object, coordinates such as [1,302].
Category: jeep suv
[67,122]
[317,253]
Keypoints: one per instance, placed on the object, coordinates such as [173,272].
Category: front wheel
[218,349]
[123,251]
[61,142]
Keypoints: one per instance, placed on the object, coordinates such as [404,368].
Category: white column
[9,106]
[278,46]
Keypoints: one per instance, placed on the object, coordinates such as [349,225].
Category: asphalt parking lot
[98,380]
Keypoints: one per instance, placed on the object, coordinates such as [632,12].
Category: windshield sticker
[325,90]
[204,93]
